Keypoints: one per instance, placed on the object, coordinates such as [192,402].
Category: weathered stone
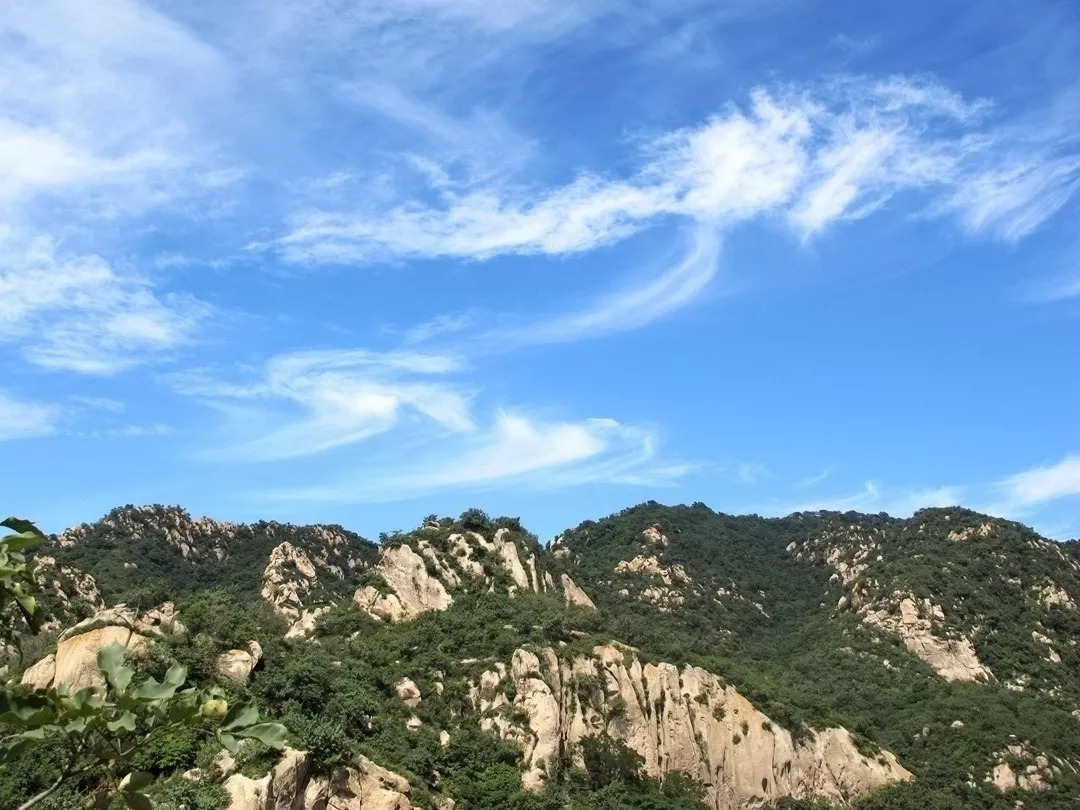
[408,692]
[678,719]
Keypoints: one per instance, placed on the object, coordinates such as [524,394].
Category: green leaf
[272,734]
[19,542]
[240,716]
[125,722]
[110,661]
[228,741]
[176,676]
[135,781]
[137,801]
[21,525]
[152,690]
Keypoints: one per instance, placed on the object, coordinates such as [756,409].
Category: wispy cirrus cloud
[514,450]
[308,403]
[811,155]
[1039,485]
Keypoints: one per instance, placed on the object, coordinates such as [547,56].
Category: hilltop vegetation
[799,621]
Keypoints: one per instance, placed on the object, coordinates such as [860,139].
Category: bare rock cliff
[678,719]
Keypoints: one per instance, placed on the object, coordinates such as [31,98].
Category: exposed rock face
[982,530]
[194,538]
[420,574]
[71,586]
[683,720]
[573,595]
[290,786]
[849,552]
[305,625]
[413,589]
[236,665]
[75,659]
[408,692]
[1051,596]
[952,658]
[654,536]
[289,574]
[1033,772]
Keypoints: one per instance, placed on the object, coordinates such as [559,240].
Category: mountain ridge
[944,643]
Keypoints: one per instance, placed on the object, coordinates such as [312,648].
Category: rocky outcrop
[291,786]
[1017,766]
[573,595]
[920,624]
[1053,596]
[412,589]
[408,692]
[420,575]
[914,621]
[75,590]
[75,659]
[678,719]
[288,576]
[236,665]
[305,625]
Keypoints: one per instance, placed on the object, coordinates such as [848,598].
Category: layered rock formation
[678,719]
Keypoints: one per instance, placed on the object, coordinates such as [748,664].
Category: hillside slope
[663,657]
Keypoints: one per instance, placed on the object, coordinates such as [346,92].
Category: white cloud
[23,419]
[311,402]
[308,403]
[77,313]
[1042,484]
[437,327]
[751,472]
[872,497]
[1010,201]
[515,451]
[628,308]
[816,156]
[100,102]
[814,479]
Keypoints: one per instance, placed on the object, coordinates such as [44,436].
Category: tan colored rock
[236,665]
[573,595]
[288,576]
[651,566]
[507,552]
[654,535]
[40,676]
[444,738]
[291,786]
[304,626]
[75,659]
[289,780]
[1053,596]
[952,658]
[408,692]
[681,719]
[415,591]
[247,794]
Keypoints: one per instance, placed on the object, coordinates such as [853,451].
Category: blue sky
[359,262]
